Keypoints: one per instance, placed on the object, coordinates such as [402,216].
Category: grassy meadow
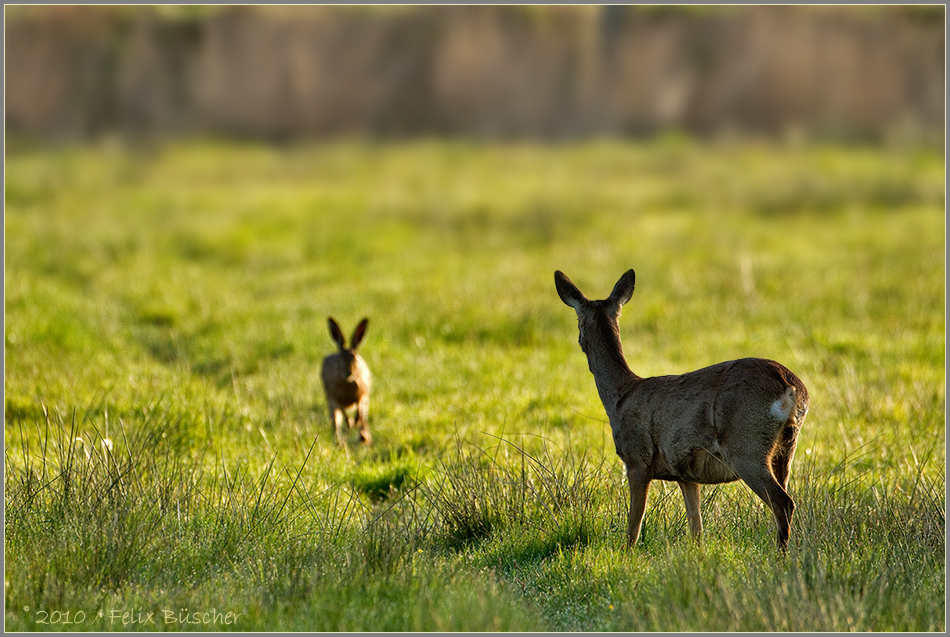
[170,465]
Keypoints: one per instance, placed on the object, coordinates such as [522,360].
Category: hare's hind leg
[362,419]
[337,418]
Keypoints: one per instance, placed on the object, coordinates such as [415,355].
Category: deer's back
[690,426]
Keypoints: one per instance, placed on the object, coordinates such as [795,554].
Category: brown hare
[347,381]
[735,420]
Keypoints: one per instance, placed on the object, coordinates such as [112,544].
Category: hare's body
[347,382]
[734,420]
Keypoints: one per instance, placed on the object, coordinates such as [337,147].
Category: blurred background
[845,73]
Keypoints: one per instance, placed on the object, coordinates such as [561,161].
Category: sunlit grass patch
[174,304]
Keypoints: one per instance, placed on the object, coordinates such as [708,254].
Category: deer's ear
[358,333]
[623,290]
[336,333]
[568,291]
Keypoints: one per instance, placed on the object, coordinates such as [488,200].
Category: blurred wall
[487,71]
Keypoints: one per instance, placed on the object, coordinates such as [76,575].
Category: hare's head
[348,353]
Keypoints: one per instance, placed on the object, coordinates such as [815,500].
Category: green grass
[166,441]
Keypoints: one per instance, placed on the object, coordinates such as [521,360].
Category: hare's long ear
[359,333]
[623,290]
[568,291]
[336,333]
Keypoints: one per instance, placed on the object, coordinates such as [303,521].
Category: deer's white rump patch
[782,407]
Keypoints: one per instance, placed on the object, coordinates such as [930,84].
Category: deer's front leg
[691,498]
[639,486]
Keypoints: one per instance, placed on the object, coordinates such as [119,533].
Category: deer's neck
[606,361]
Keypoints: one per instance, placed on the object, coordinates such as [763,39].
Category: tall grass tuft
[86,510]
[550,501]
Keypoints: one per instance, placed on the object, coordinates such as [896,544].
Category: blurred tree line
[497,72]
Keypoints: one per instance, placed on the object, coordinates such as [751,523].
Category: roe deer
[738,419]
[347,381]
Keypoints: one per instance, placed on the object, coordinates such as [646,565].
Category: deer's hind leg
[758,475]
[781,460]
